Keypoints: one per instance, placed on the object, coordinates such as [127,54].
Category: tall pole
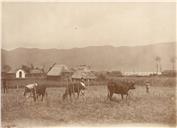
[157,67]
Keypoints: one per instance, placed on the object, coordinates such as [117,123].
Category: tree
[6,68]
[32,66]
[173,61]
[101,77]
[158,63]
[26,68]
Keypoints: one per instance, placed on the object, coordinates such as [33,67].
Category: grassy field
[157,107]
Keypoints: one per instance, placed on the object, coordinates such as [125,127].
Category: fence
[155,81]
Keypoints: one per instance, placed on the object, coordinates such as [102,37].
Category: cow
[74,87]
[41,91]
[120,87]
[31,88]
[35,91]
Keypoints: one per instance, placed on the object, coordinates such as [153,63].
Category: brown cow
[120,87]
[41,91]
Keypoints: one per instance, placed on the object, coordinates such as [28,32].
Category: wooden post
[88,82]
[67,88]
[17,93]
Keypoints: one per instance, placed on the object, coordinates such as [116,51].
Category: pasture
[157,107]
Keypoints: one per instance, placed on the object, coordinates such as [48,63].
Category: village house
[8,75]
[59,72]
[36,73]
[22,74]
[83,72]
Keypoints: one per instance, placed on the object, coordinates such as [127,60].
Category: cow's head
[35,84]
[132,85]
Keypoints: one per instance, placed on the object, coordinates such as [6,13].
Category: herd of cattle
[122,87]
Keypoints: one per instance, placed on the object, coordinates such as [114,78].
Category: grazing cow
[41,91]
[31,88]
[35,90]
[72,88]
[121,88]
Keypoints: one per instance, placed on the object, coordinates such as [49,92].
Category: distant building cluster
[56,72]
[141,73]
[62,72]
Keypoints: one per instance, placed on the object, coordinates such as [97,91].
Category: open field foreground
[157,107]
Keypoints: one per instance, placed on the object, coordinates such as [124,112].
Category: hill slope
[137,58]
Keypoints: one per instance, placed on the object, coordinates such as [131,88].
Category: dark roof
[57,70]
[15,70]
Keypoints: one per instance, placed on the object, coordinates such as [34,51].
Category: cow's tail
[46,95]
[108,95]
[24,94]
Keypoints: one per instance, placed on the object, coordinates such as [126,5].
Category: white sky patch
[68,25]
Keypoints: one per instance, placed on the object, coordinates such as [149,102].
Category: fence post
[17,93]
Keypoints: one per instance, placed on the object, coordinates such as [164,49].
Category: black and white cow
[74,87]
[31,89]
[35,90]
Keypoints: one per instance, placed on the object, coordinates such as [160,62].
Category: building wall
[20,74]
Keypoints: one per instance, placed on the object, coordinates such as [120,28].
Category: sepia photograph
[88,64]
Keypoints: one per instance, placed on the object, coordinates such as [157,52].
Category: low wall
[155,81]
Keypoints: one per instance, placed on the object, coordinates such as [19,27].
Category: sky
[70,25]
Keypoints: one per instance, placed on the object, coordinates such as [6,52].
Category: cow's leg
[122,96]
[37,96]
[46,96]
[25,92]
[78,92]
[42,97]
[70,95]
[127,96]
[110,96]
[34,95]
[73,90]
[147,90]
[4,89]
[64,95]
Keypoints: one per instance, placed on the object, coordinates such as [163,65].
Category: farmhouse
[59,72]
[169,73]
[8,75]
[36,73]
[22,74]
[83,71]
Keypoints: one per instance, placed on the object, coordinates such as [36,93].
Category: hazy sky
[68,25]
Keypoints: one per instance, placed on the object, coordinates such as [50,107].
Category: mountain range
[123,58]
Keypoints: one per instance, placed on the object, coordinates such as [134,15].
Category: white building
[20,73]
[140,73]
